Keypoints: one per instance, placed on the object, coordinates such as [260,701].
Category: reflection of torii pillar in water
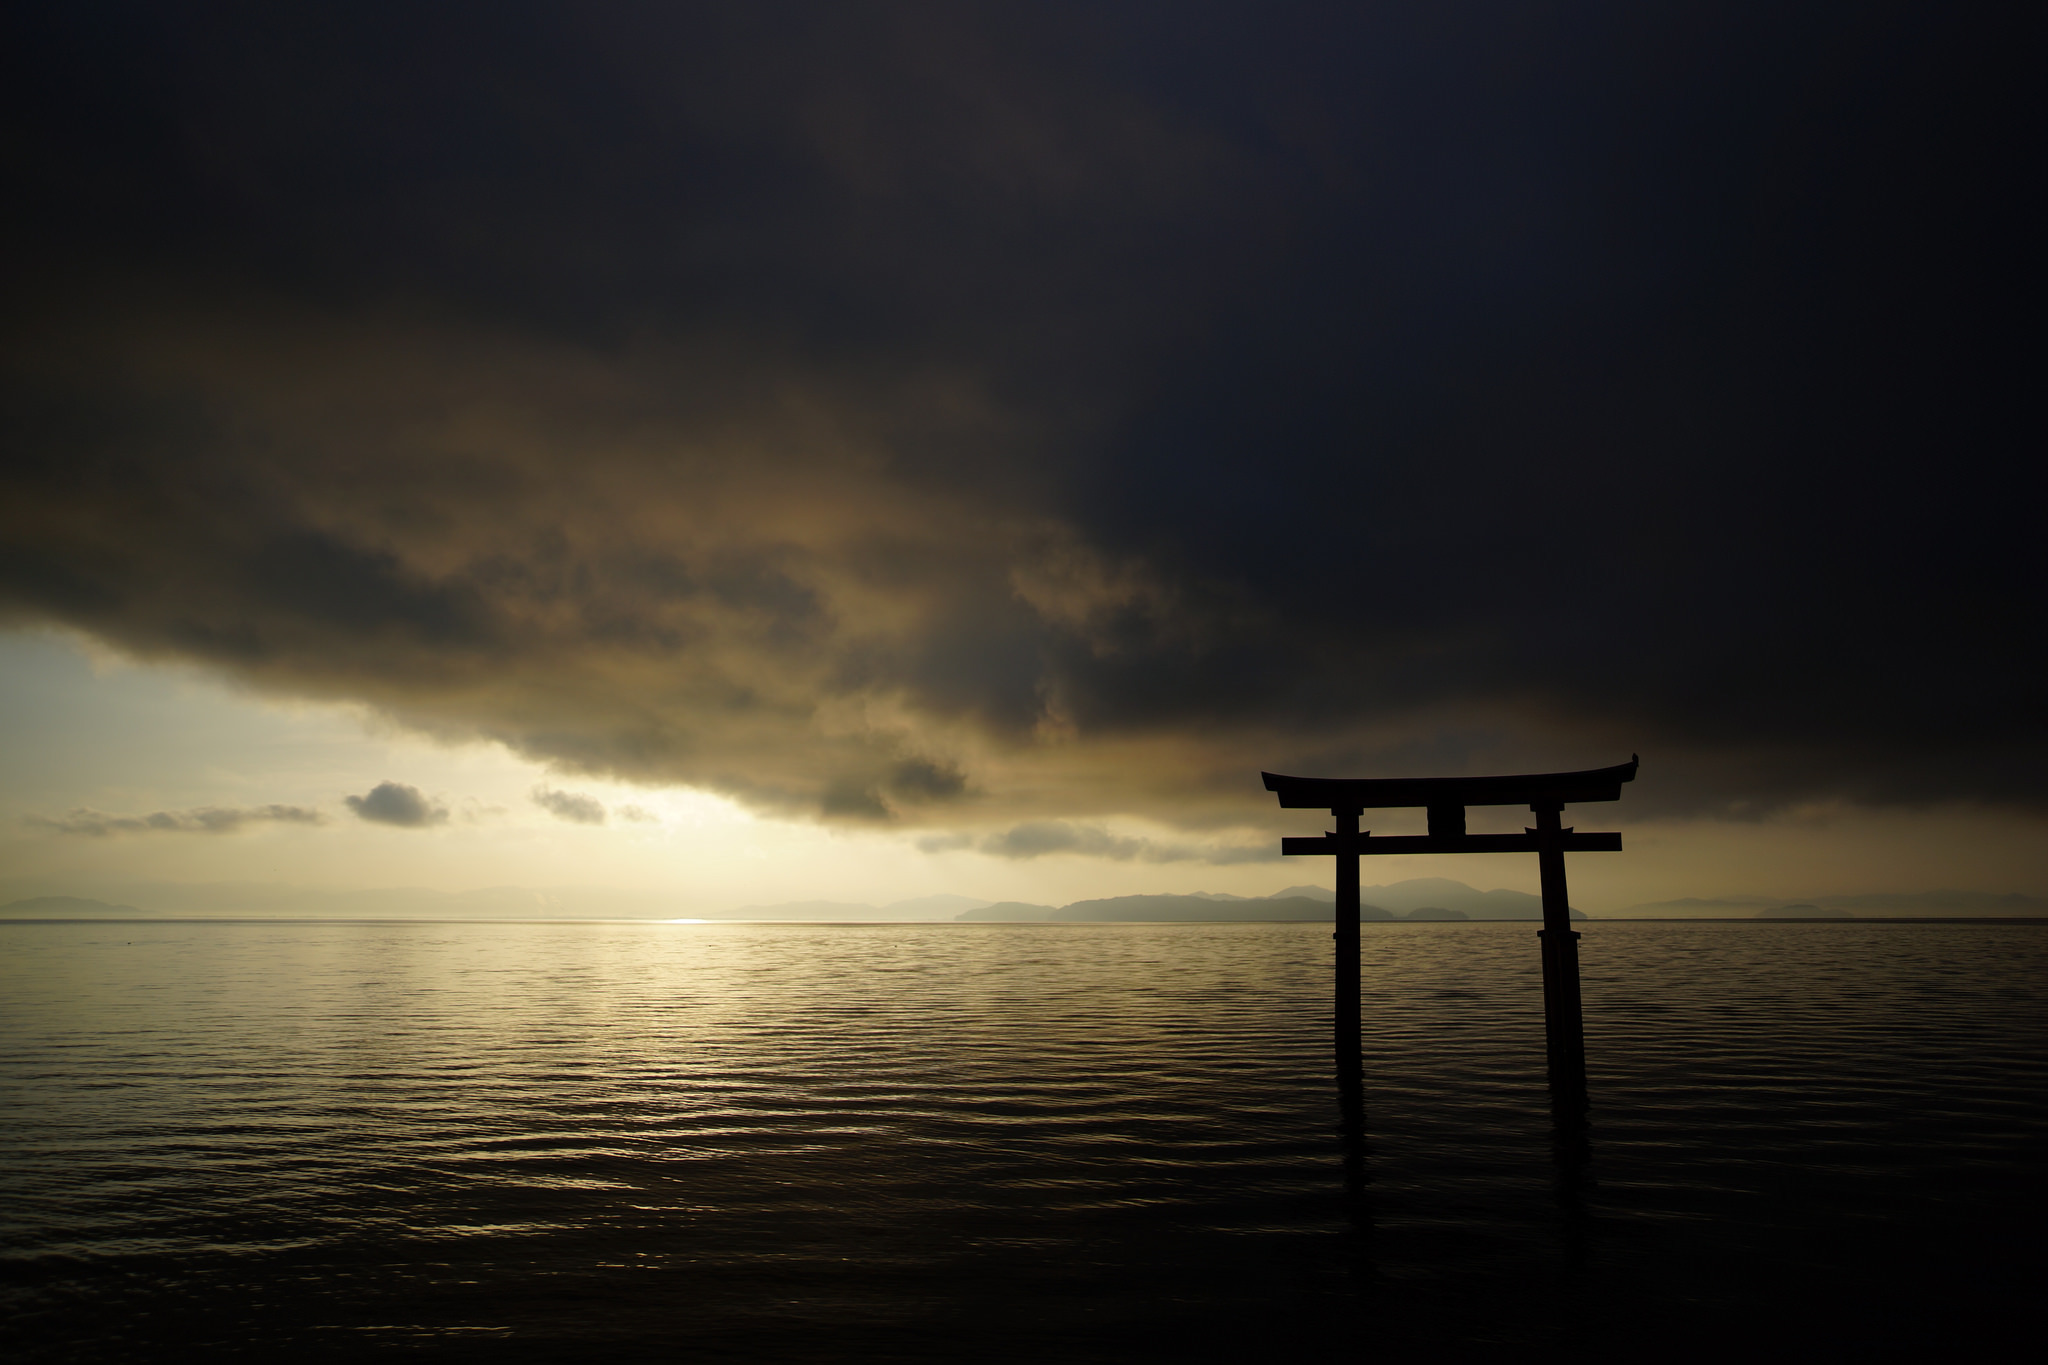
[1546,794]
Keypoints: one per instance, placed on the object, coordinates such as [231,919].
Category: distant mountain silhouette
[942,906]
[1422,899]
[1009,910]
[1443,894]
[1426,899]
[1402,899]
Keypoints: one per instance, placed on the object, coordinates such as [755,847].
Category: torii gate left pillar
[1349,1020]
[1446,798]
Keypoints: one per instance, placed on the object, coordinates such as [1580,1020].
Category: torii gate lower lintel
[1445,798]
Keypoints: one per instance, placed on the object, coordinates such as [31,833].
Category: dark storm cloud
[574,807]
[982,414]
[395,803]
[204,820]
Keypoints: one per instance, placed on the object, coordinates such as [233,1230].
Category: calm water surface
[1010,1142]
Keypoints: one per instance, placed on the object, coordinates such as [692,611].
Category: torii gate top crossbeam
[1379,793]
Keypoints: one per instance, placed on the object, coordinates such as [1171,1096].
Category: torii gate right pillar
[1564,1028]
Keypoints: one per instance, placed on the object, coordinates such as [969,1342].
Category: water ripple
[1052,1141]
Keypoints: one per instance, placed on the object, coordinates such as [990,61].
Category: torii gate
[1546,794]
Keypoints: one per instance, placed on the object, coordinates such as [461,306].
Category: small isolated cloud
[395,803]
[1038,838]
[204,820]
[574,807]
[639,815]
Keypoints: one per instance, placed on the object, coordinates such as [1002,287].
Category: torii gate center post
[1546,794]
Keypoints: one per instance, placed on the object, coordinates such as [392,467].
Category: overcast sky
[958,446]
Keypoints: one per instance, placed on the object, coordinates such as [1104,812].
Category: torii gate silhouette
[1546,794]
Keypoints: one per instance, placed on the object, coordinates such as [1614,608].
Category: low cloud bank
[202,820]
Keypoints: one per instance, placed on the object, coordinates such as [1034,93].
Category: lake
[1011,1142]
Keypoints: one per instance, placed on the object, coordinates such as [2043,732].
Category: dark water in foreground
[1009,1142]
